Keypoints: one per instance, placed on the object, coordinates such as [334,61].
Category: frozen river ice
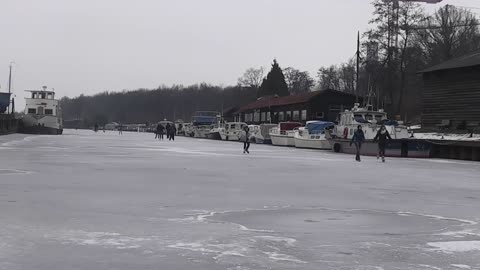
[103,201]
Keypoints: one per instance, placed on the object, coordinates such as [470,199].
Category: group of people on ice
[359,138]
[169,130]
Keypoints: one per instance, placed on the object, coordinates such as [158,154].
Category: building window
[281,116]
[288,115]
[264,116]
[48,111]
[296,115]
[256,117]
[32,111]
[319,115]
[304,115]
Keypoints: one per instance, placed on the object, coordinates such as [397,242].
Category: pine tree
[275,83]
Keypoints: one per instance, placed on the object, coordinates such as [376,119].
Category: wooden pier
[8,124]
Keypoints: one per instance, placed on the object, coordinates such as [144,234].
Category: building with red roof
[317,105]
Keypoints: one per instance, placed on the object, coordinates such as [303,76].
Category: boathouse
[317,105]
[451,94]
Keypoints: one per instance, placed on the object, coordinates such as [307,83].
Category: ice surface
[88,200]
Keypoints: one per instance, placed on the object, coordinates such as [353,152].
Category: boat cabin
[41,102]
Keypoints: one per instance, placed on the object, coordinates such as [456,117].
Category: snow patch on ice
[104,239]
[460,234]
[461,266]
[13,171]
[244,228]
[429,266]
[455,246]
[17,142]
[278,239]
[471,222]
[219,250]
[283,257]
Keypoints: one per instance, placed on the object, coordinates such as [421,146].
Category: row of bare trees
[402,41]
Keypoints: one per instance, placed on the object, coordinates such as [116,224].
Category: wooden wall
[451,95]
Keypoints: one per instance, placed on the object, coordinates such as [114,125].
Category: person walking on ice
[381,137]
[246,143]
[172,131]
[358,139]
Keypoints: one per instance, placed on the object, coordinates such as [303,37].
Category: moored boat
[263,135]
[401,144]
[313,135]
[283,133]
[203,121]
[233,131]
[43,114]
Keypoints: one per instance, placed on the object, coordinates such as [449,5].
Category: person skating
[120,129]
[246,143]
[358,139]
[157,131]
[167,129]
[173,130]
[381,137]
[161,131]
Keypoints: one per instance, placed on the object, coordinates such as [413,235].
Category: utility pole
[358,67]
[10,86]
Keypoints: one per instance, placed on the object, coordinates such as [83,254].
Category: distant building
[451,94]
[318,105]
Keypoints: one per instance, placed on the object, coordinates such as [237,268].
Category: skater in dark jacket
[381,137]
[167,130]
[246,142]
[358,139]
[172,132]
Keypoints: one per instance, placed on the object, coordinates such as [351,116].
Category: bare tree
[329,78]
[253,78]
[450,32]
[298,81]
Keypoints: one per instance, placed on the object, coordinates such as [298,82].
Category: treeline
[151,106]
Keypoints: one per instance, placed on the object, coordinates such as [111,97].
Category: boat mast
[358,67]
[10,85]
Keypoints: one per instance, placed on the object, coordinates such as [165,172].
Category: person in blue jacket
[358,139]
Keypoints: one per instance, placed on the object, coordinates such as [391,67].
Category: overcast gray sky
[89,46]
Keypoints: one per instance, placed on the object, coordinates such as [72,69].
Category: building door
[40,110]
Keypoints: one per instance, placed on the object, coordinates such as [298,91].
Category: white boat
[233,131]
[313,135]
[216,131]
[401,145]
[253,130]
[188,130]
[263,135]
[43,114]
[203,122]
[283,133]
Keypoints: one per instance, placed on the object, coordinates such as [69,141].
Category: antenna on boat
[10,84]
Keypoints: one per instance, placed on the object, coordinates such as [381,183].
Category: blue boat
[4,101]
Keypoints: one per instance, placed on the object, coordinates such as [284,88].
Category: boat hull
[49,125]
[282,140]
[260,140]
[394,148]
[312,144]
[41,130]
[214,136]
